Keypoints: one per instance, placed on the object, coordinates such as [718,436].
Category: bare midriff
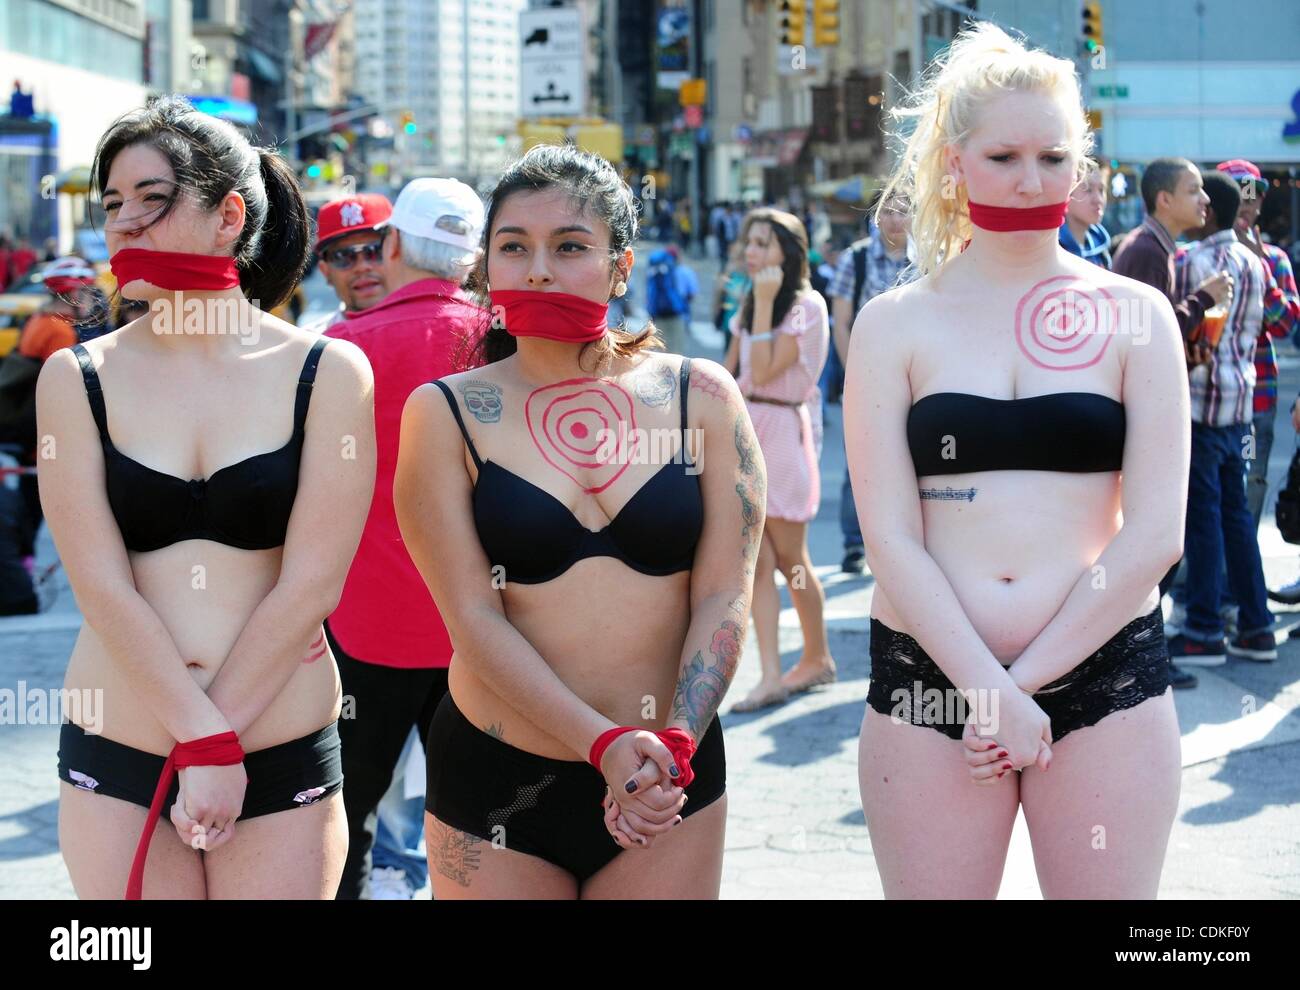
[612,634]
[204,593]
[1014,551]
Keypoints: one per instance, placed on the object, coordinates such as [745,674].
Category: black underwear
[533,804]
[291,775]
[1129,668]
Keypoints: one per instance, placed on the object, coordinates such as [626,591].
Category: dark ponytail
[211,159]
[277,255]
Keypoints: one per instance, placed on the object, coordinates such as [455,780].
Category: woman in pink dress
[780,340]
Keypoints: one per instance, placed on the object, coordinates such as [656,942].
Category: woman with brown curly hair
[593,562]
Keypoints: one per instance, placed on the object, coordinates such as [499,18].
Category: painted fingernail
[991,746]
[673,771]
[1002,774]
[631,786]
[1002,752]
[1007,765]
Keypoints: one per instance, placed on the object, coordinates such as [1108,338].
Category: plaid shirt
[1281,319]
[1222,390]
[882,271]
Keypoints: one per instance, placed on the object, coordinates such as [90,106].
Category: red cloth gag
[1005,218]
[678,741]
[221,750]
[553,315]
[175,269]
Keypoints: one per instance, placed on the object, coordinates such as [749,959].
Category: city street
[795,825]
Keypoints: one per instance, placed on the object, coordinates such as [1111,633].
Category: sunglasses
[341,259]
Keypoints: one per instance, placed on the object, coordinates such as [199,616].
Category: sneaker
[388,883]
[1180,678]
[1261,647]
[1193,653]
[1290,595]
[855,561]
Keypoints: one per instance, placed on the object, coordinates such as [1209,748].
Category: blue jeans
[401,826]
[849,524]
[1219,528]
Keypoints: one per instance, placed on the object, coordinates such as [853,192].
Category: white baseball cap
[443,210]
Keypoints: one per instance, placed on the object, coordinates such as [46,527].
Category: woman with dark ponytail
[204,548]
[597,605]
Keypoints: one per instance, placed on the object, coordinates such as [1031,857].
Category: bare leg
[815,666]
[295,855]
[98,836]
[934,833]
[684,864]
[465,867]
[1100,818]
[766,610]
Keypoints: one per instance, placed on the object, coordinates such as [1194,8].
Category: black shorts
[291,775]
[1129,668]
[534,804]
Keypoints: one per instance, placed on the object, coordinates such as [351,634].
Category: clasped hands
[208,802]
[653,806]
[1021,738]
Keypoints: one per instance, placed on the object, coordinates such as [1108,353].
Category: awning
[852,189]
[263,66]
[777,147]
[75,180]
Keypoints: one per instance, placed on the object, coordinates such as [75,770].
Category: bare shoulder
[712,383]
[881,326]
[60,377]
[344,366]
[494,374]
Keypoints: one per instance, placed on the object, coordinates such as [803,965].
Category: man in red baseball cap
[349,243]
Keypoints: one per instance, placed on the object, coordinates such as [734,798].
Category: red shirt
[386,615]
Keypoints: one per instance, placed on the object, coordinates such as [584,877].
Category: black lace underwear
[1132,666]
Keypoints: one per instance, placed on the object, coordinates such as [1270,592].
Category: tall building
[453,66]
[242,52]
[82,61]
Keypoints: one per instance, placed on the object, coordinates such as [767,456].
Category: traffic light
[408,122]
[314,170]
[1092,30]
[826,23]
[793,16]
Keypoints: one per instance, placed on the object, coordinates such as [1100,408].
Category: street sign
[551,76]
[1111,92]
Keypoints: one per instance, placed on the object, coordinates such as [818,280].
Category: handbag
[1288,502]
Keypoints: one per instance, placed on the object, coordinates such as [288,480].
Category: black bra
[244,505]
[536,538]
[956,433]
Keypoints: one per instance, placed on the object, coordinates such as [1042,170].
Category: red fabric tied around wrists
[682,747]
[1005,218]
[221,750]
[175,269]
[603,740]
[678,741]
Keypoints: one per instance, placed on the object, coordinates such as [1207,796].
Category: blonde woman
[1017,432]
